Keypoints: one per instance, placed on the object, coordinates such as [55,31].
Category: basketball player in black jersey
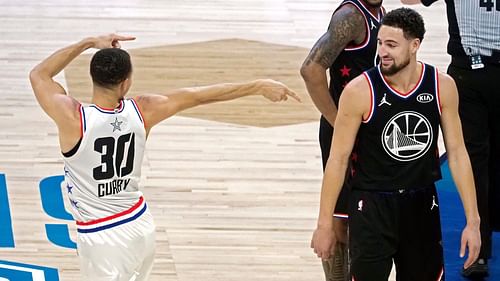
[390,115]
[348,48]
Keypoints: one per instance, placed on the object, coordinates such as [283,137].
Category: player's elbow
[313,73]
[35,76]
[307,72]
[336,162]
[341,159]
[456,152]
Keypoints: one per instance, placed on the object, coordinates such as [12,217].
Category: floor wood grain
[234,197]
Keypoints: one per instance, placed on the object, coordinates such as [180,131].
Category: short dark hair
[408,20]
[109,67]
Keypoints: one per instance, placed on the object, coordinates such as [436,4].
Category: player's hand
[471,239]
[110,41]
[323,242]
[276,91]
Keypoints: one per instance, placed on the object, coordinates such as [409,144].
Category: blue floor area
[453,221]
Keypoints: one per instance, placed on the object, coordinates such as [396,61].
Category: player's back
[103,171]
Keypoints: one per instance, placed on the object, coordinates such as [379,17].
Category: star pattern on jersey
[69,188]
[73,203]
[116,125]
[345,71]
[354,157]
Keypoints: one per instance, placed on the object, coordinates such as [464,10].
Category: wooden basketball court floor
[234,187]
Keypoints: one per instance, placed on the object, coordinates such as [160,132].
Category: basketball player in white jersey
[103,146]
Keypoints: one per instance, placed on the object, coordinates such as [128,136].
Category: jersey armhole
[83,128]
[139,112]
[438,96]
[73,150]
[372,99]
[367,29]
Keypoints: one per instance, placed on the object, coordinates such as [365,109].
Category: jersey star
[74,203]
[69,187]
[116,125]
[345,71]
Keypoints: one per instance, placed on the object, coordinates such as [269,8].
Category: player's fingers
[332,249]
[325,256]
[463,245]
[469,261]
[125,38]
[293,95]
[474,252]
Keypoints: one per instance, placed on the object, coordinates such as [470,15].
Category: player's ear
[415,45]
[125,85]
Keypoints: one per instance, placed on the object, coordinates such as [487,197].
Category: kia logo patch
[425,98]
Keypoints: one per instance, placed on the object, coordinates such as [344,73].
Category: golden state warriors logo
[407,136]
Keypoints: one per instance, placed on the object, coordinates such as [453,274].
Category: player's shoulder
[445,81]
[358,84]
[68,109]
[356,96]
[149,100]
[348,10]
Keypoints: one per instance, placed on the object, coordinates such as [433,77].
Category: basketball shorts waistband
[115,220]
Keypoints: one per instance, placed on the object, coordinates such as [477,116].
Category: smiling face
[399,39]
[395,50]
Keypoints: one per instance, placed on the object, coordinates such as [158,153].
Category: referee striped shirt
[474,26]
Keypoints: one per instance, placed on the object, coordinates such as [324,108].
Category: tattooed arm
[346,25]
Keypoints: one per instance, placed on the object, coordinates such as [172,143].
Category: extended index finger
[124,37]
[293,95]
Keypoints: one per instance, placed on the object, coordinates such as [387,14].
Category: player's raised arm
[159,107]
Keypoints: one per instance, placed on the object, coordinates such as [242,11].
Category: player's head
[399,39]
[111,69]
[373,3]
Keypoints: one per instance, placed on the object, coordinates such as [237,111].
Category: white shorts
[118,249]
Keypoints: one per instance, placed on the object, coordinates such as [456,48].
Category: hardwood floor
[234,187]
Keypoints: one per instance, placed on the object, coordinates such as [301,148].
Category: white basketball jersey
[102,176]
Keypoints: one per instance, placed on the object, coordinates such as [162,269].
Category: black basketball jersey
[355,59]
[396,145]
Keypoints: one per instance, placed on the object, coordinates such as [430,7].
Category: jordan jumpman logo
[434,202]
[384,101]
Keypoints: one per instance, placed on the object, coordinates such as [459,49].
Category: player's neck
[407,78]
[106,98]
[374,10]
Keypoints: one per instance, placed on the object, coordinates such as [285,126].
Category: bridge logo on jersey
[425,98]
[407,136]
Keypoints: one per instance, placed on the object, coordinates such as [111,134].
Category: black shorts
[399,226]
[325,142]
